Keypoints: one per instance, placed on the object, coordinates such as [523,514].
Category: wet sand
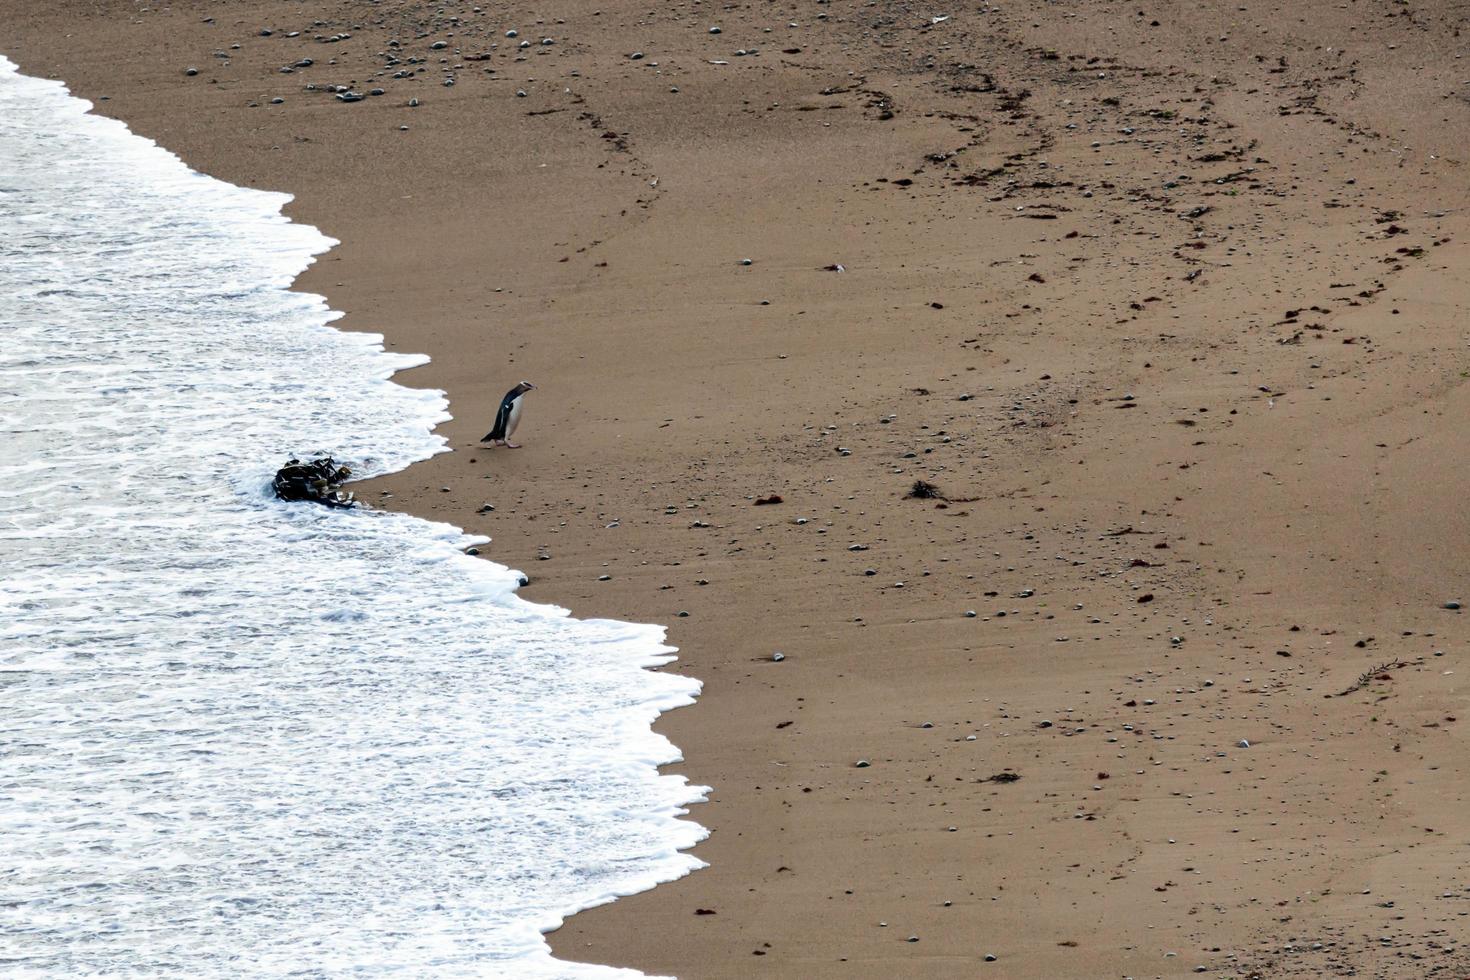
[1167,301]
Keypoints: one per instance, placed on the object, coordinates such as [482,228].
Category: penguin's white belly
[515,418]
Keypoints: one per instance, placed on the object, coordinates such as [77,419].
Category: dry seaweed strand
[1368,676]
[1002,777]
[924,490]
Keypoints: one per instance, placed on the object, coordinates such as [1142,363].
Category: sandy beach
[1165,300]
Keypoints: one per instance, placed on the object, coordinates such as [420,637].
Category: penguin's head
[524,387]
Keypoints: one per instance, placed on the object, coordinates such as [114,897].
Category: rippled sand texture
[239,737]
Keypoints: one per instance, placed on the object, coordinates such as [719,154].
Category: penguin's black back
[502,416]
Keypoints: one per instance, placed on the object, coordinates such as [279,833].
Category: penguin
[508,417]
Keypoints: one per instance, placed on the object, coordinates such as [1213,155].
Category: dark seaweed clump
[318,481]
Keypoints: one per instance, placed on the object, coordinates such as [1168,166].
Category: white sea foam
[245,738]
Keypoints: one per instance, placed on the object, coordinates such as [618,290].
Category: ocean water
[245,738]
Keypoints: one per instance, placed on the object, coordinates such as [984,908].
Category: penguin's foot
[511,445]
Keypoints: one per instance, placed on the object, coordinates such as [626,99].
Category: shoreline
[233,661]
[1125,429]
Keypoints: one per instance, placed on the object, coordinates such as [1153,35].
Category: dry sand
[1167,298]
